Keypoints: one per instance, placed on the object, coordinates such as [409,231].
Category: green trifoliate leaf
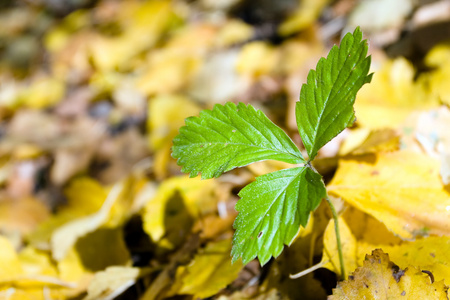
[271,210]
[326,100]
[228,137]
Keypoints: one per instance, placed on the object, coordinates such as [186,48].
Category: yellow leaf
[257,59]
[166,115]
[143,23]
[92,253]
[364,140]
[379,278]
[438,58]
[85,196]
[233,32]
[401,189]
[64,237]
[306,14]
[178,202]
[391,96]
[9,261]
[209,272]
[167,71]
[429,254]
[365,234]
[36,262]
[112,282]
[43,93]
[27,275]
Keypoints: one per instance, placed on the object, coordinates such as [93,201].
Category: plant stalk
[338,238]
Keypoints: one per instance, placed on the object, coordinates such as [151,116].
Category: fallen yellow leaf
[401,189]
[169,216]
[380,278]
[210,271]
[391,96]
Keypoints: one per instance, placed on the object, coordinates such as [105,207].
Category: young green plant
[272,208]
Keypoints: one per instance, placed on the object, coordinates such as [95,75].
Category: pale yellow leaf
[112,282]
[378,15]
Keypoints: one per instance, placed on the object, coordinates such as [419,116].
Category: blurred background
[93,92]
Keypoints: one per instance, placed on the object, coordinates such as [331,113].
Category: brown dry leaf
[22,215]
[210,271]
[381,278]
[401,189]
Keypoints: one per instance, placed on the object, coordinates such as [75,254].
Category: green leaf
[326,99]
[271,210]
[228,137]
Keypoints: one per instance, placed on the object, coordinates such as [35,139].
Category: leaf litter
[92,205]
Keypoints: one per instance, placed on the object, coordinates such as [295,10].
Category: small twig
[309,270]
[338,238]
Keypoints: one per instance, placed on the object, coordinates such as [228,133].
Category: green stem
[338,238]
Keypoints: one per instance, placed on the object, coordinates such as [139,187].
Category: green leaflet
[228,137]
[326,100]
[271,210]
